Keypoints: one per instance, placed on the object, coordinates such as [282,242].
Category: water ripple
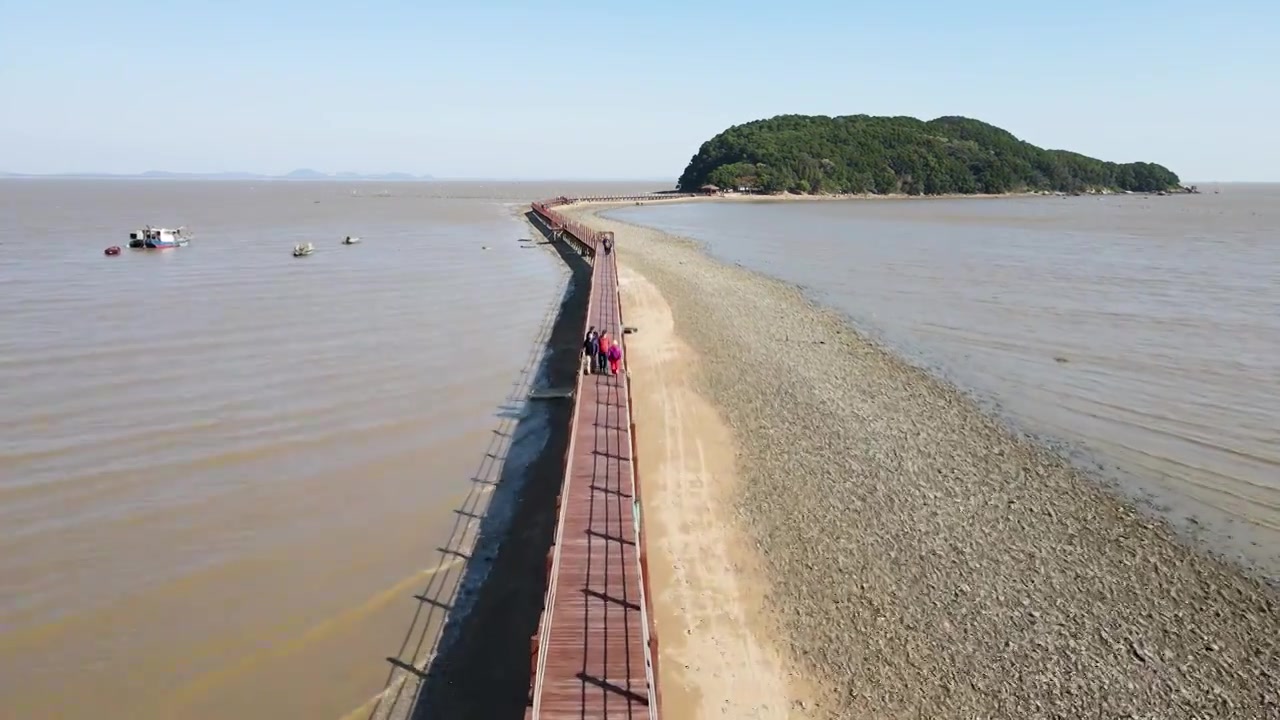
[200,447]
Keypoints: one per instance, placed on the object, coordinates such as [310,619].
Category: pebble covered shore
[925,562]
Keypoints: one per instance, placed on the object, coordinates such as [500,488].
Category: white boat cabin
[152,237]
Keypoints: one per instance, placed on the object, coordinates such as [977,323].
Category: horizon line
[348,176]
[319,177]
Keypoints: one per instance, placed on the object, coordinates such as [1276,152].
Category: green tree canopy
[869,154]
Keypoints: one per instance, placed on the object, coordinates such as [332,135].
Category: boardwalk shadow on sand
[466,652]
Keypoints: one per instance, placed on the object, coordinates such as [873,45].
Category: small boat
[303,249]
[350,240]
[113,250]
[154,238]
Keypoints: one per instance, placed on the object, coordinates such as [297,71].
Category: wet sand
[718,658]
[920,558]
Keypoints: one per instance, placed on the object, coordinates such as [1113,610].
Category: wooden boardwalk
[592,654]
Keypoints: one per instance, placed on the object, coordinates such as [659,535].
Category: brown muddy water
[1139,334]
[225,471]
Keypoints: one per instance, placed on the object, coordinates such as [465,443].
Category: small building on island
[709,189]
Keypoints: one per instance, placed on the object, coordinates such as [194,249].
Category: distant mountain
[306,174]
[163,175]
[299,174]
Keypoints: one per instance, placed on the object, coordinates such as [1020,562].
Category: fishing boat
[154,238]
[303,249]
[350,240]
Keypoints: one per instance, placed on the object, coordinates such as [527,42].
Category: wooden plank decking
[592,657]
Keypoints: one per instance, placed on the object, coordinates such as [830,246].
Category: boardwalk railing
[604,304]
[538,655]
[545,209]
[650,632]
[638,198]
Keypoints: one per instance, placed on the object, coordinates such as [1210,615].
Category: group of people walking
[600,351]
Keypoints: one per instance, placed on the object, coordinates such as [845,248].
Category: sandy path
[717,660]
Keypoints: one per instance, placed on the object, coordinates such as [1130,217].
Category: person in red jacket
[602,350]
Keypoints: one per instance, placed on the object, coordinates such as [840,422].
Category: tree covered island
[812,154]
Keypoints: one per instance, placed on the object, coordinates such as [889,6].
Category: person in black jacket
[589,348]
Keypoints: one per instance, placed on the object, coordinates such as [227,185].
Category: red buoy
[113,250]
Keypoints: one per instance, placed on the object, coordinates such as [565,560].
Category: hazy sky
[569,89]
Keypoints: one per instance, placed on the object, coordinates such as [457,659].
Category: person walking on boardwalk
[602,350]
[615,356]
[608,245]
[590,346]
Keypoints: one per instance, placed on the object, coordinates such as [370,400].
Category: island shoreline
[763,198]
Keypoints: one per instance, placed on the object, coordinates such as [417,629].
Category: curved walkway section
[593,654]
